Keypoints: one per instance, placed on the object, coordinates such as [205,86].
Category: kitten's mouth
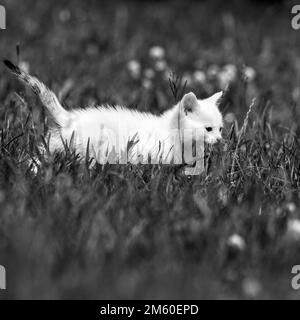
[213,142]
[216,146]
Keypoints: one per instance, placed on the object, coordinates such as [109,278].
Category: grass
[71,231]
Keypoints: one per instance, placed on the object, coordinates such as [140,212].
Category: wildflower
[223,80]
[149,73]
[251,287]
[243,148]
[134,68]
[237,242]
[160,65]
[213,71]
[24,66]
[157,52]
[147,83]
[230,71]
[249,73]
[227,75]
[291,207]
[229,117]
[293,229]
[223,195]
[199,76]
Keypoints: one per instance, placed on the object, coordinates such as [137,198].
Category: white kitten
[120,135]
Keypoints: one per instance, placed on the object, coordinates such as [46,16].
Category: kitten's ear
[189,102]
[215,98]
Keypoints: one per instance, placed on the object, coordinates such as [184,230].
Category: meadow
[151,232]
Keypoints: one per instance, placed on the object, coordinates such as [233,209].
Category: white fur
[120,135]
[107,131]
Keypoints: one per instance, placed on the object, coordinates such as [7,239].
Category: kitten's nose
[219,141]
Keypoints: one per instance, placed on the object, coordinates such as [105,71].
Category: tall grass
[109,231]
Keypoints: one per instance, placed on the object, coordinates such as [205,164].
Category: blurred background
[65,236]
[125,52]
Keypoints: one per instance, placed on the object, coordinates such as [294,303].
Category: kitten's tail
[47,97]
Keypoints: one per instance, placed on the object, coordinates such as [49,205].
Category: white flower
[223,80]
[157,52]
[223,195]
[293,229]
[231,71]
[227,75]
[291,206]
[24,66]
[200,76]
[187,78]
[147,83]
[160,65]
[212,71]
[249,73]
[229,117]
[149,73]
[134,68]
[251,287]
[237,242]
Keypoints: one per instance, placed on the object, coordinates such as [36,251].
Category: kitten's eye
[208,129]
[221,129]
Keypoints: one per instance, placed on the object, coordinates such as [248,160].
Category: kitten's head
[203,114]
